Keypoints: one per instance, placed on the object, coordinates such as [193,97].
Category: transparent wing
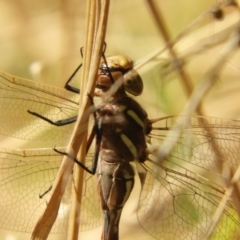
[183,191]
[27,174]
[91,212]
[18,95]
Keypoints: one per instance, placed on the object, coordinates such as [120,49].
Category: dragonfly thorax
[124,124]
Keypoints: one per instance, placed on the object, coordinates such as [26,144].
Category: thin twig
[201,89]
[182,73]
[162,28]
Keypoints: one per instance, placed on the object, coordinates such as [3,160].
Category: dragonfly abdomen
[115,183]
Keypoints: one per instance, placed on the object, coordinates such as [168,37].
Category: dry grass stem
[93,50]
[199,92]
[220,209]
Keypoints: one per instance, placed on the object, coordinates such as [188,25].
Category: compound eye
[132,82]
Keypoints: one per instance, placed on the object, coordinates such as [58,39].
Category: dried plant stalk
[93,49]
[202,88]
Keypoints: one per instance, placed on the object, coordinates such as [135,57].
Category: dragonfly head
[119,66]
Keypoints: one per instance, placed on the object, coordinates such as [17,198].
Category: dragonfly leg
[67,84]
[58,123]
[89,170]
[115,183]
[96,130]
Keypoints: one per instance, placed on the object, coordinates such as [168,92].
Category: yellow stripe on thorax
[132,114]
[129,144]
[135,117]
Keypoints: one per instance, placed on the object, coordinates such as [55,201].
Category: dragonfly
[179,195]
